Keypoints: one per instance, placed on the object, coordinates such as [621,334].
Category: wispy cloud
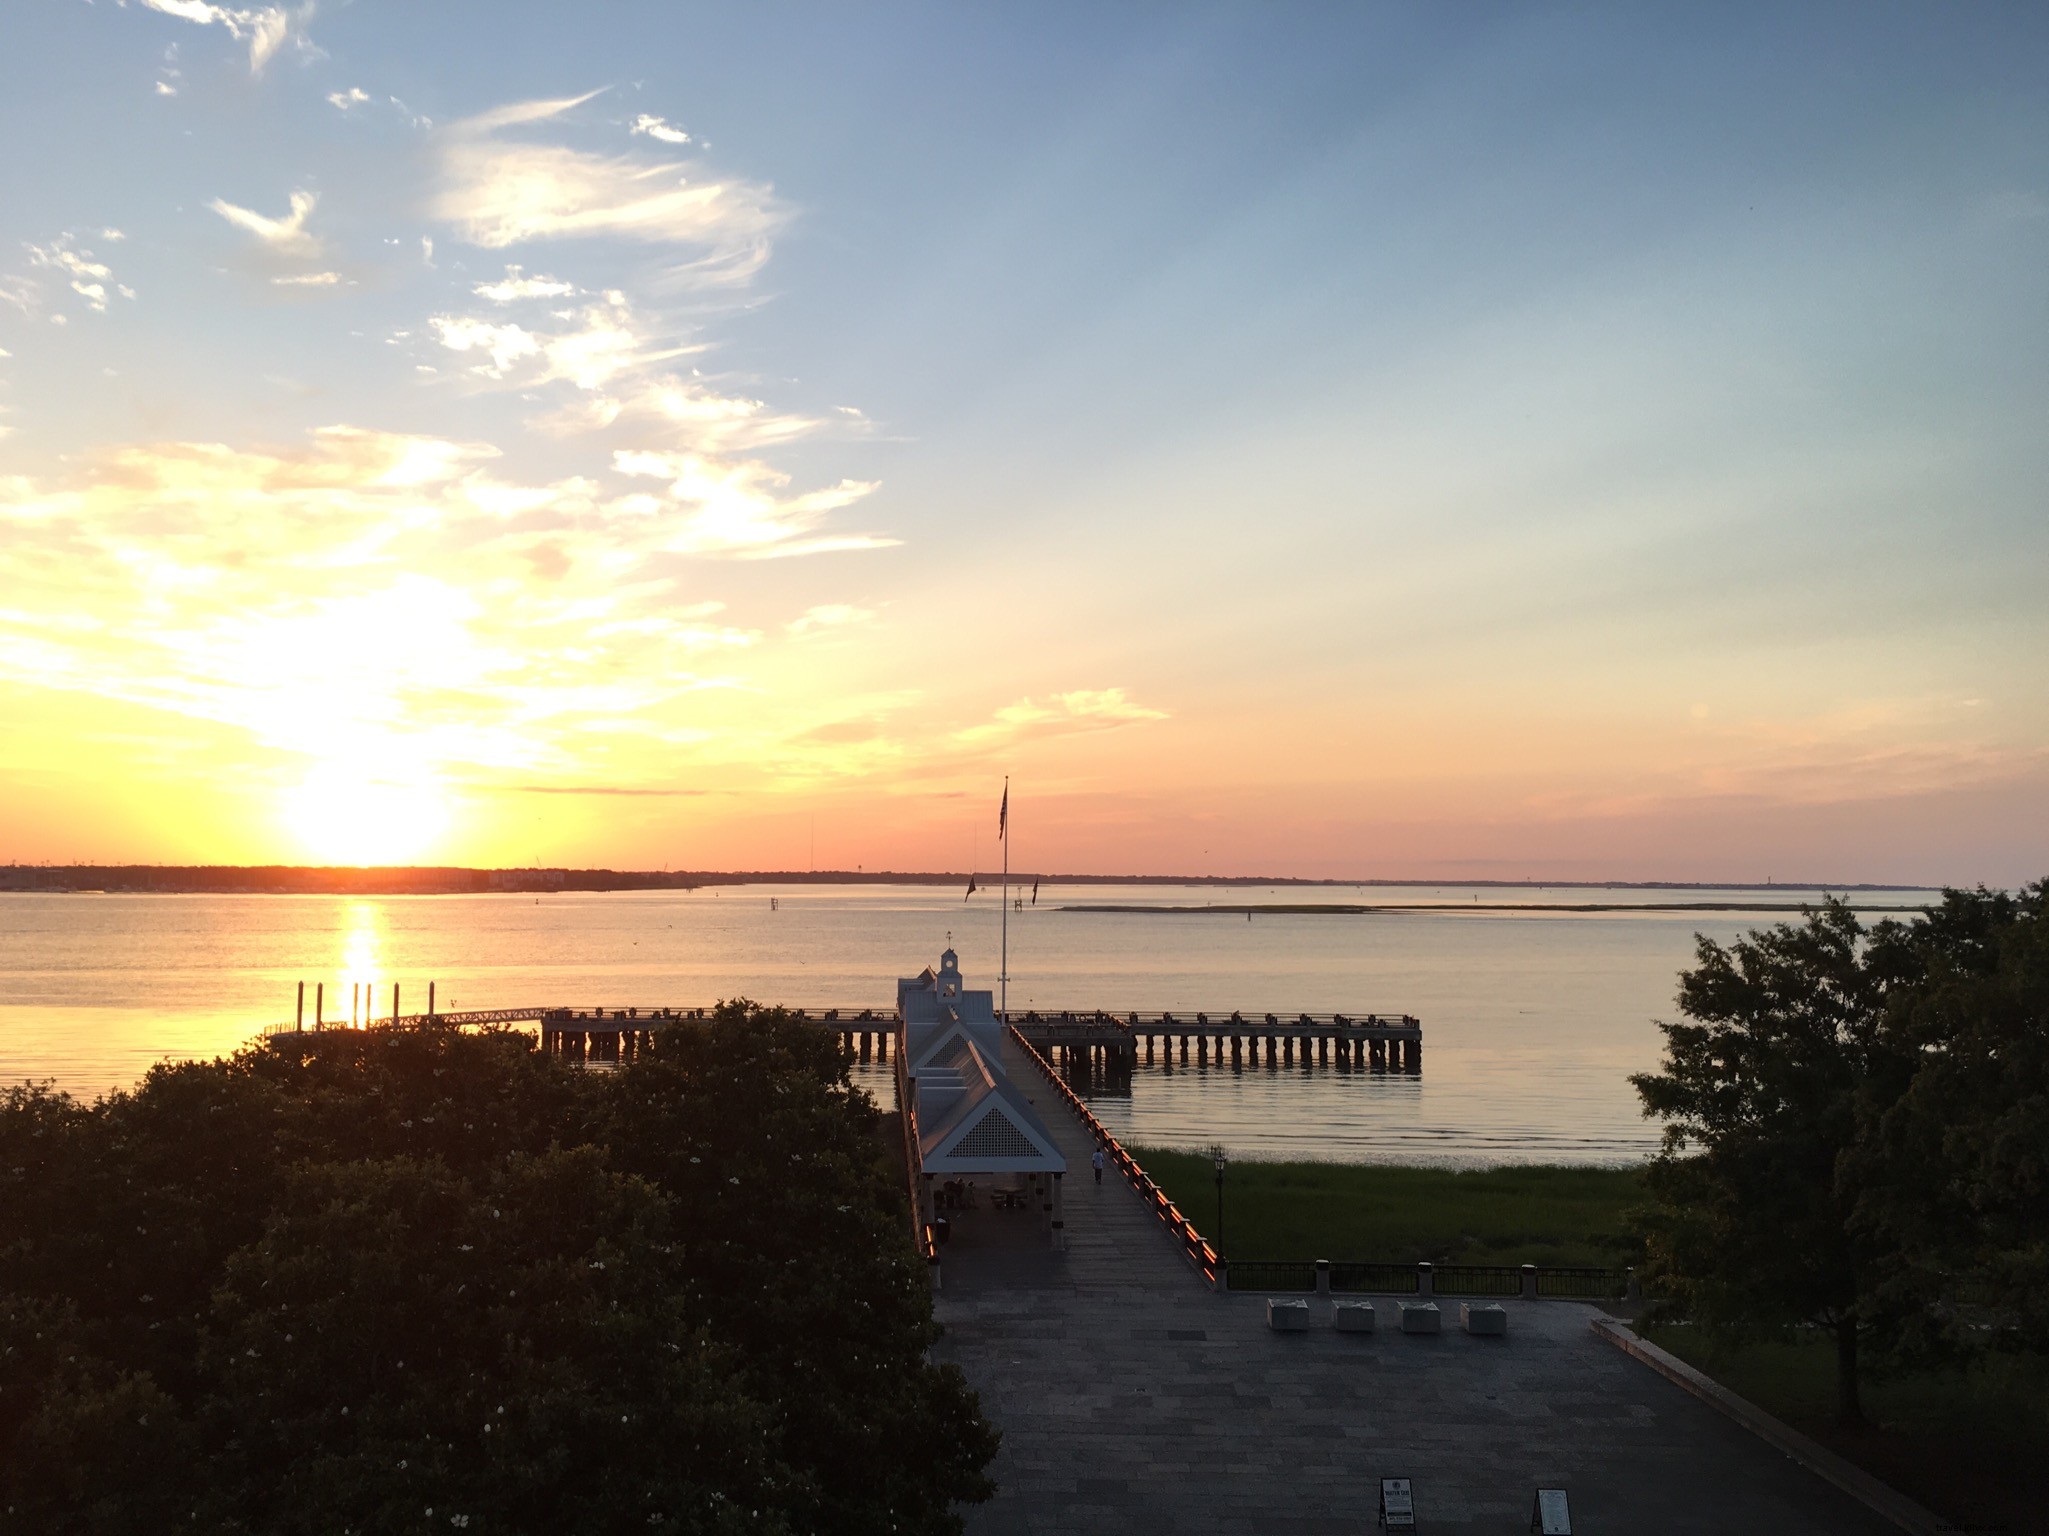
[82,272]
[1062,714]
[499,190]
[287,236]
[655,128]
[515,285]
[308,280]
[343,101]
[596,344]
[718,507]
[396,591]
[266,30]
[827,616]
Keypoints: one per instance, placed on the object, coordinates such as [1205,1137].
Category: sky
[1345,441]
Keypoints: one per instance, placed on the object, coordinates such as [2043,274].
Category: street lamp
[1216,1153]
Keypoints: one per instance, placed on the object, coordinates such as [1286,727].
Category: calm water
[1532,1020]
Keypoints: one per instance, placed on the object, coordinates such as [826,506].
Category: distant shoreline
[446,880]
[1328,908]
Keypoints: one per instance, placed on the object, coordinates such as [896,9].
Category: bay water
[1533,1017]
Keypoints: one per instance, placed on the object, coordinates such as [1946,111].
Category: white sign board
[1397,1508]
[1550,1517]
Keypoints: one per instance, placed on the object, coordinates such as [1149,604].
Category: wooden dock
[1088,1045]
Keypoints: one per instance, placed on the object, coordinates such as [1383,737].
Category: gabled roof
[973,1119]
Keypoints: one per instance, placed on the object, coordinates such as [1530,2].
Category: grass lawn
[1343,1211]
[1972,1445]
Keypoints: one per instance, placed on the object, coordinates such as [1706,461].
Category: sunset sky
[1321,440]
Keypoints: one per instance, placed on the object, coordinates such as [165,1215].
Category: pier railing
[1047,1022]
[1199,1251]
[921,1229]
[1242,1022]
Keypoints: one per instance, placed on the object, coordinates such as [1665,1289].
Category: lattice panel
[994,1136]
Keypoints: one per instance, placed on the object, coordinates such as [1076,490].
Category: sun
[343,814]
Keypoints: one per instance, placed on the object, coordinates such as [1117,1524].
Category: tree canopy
[1857,1131]
[407,1281]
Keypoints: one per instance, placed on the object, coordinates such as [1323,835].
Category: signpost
[1397,1507]
[1548,1515]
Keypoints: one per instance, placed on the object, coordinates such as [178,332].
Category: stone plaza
[1133,1398]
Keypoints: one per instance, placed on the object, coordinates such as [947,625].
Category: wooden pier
[1107,1047]
[1088,1045]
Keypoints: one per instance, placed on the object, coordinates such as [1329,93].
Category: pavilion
[972,1121]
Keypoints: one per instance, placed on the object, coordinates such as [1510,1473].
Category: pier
[1091,1046]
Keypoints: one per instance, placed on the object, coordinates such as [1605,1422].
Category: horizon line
[946,877]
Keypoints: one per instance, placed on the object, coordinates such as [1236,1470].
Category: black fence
[1381,1279]
[1476,1281]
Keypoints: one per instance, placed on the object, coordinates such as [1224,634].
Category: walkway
[1133,1399]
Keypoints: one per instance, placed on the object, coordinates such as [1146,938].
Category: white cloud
[342,101]
[287,236]
[516,285]
[308,280]
[598,344]
[655,128]
[384,591]
[500,191]
[267,30]
[1080,709]
[828,616]
[721,507]
[85,275]
[165,88]
[504,345]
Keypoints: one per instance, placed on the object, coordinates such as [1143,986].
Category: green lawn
[1972,1445]
[1345,1211]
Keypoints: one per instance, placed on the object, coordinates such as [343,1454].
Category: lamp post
[1216,1153]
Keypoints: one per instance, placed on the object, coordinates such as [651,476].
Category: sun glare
[342,815]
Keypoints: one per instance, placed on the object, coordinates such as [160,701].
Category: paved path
[1132,1399]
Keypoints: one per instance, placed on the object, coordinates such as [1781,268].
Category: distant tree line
[382,1282]
[1857,1133]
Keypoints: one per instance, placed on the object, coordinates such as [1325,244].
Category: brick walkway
[1131,1398]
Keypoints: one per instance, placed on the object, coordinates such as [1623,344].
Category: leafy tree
[345,1279]
[1955,1169]
[1763,1094]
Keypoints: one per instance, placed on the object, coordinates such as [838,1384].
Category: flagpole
[1003,981]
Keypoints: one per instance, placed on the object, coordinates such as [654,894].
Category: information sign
[1549,1516]
[1397,1508]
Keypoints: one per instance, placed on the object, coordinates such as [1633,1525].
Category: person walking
[1096,1163]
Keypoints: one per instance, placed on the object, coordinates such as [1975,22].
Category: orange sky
[1305,450]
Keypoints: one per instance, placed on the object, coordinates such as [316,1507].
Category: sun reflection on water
[361,959]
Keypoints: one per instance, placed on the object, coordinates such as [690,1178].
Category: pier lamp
[1216,1153]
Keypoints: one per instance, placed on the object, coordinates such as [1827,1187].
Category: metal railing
[1198,1249]
[922,1235]
[1469,1281]
[1272,1275]
[1382,1279]
[602,1020]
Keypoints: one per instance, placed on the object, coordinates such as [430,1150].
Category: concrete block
[1421,1317]
[1352,1316]
[1287,1316]
[1486,1318]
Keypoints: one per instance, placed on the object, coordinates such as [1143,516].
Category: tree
[1955,1169]
[1762,1095]
[345,1278]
